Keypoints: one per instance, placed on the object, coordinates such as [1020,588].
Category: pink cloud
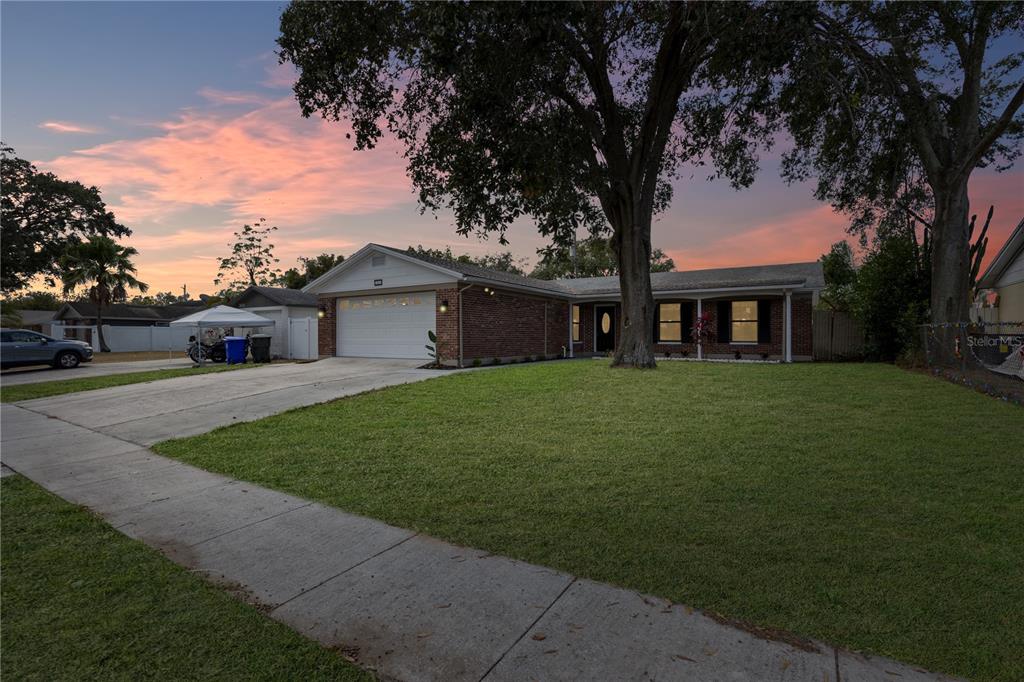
[280,75]
[794,238]
[216,96]
[265,162]
[65,127]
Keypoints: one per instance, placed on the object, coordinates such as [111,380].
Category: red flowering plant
[702,329]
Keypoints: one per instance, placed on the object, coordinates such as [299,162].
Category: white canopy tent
[221,316]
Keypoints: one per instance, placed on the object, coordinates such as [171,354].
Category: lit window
[670,322]
[344,304]
[575,323]
[744,322]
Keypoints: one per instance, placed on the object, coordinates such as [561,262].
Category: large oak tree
[894,105]
[574,114]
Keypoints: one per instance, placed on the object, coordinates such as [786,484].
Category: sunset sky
[182,117]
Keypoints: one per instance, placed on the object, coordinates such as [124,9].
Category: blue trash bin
[234,349]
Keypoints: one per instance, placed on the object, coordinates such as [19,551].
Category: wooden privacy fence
[837,336]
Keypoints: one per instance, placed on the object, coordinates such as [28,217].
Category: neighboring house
[283,306]
[1004,278]
[382,301]
[37,320]
[126,327]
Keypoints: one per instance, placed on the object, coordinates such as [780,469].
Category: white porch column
[571,354]
[700,346]
[788,332]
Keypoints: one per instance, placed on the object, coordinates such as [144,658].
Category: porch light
[487,289]
[321,311]
[444,306]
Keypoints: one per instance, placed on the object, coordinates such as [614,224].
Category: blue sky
[188,126]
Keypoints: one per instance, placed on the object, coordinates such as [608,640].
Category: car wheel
[68,360]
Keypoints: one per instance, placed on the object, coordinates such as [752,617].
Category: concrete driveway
[186,406]
[39,374]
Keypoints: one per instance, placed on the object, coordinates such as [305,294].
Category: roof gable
[1008,255]
[374,263]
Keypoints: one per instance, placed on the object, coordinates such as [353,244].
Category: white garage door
[386,326]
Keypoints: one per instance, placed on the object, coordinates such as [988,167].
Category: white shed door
[393,326]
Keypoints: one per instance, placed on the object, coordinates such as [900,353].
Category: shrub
[496,361]
[477,362]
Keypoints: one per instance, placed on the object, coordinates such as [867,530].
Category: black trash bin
[260,347]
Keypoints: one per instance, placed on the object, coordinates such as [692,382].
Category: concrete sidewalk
[407,606]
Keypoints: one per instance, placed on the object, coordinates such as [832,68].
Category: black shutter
[686,319]
[764,321]
[724,318]
[657,321]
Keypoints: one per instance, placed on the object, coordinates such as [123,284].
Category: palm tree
[105,267]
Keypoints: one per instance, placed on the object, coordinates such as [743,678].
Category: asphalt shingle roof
[804,275]
[281,296]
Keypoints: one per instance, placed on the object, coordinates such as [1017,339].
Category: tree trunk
[632,244]
[104,348]
[950,274]
[951,256]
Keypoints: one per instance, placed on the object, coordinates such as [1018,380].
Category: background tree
[252,259]
[104,268]
[160,298]
[503,261]
[840,277]
[311,268]
[594,258]
[35,300]
[570,113]
[40,217]
[894,105]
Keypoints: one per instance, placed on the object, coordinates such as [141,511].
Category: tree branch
[997,128]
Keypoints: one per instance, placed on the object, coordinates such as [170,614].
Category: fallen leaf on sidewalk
[539,637]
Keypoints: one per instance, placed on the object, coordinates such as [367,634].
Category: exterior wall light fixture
[321,311]
[444,306]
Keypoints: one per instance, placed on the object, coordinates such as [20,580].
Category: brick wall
[447,328]
[327,327]
[511,325]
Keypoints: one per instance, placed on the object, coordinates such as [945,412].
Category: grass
[859,504]
[138,355]
[82,601]
[46,389]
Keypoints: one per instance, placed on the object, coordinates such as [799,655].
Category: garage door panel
[386,326]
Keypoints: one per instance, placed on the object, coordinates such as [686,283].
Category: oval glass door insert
[606,323]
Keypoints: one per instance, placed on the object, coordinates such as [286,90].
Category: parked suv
[21,347]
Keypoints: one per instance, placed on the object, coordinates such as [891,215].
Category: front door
[605,328]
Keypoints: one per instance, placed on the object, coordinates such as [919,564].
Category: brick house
[382,301]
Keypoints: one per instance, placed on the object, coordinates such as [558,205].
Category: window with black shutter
[724,317]
[764,321]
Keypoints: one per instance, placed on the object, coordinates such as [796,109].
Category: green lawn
[81,601]
[860,504]
[45,389]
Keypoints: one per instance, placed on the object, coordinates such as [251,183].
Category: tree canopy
[893,105]
[503,261]
[573,114]
[41,216]
[311,268]
[252,261]
[594,258]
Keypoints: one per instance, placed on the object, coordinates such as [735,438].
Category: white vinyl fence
[302,338]
[123,339]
